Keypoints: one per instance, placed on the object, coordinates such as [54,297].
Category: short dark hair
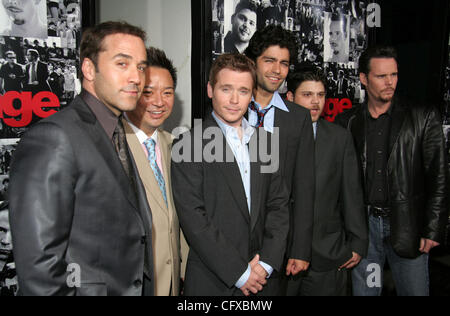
[92,39]
[271,35]
[235,62]
[157,58]
[245,4]
[380,51]
[305,72]
[33,53]
[336,17]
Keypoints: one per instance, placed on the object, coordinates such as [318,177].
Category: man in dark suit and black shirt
[80,221]
[340,234]
[232,207]
[273,49]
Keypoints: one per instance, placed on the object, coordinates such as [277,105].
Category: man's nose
[6,240]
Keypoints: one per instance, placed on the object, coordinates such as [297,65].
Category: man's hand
[353,262]
[295,266]
[426,245]
[257,278]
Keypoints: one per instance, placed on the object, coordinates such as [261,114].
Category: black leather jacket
[417,172]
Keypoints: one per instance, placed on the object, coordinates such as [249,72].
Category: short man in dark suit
[232,207]
[273,49]
[36,74]
[80,221]
[340,233]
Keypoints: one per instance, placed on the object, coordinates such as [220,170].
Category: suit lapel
[320,143]
[358,130]
[166,140]
[145,171]
[255,189]
[398,118]
[105,148]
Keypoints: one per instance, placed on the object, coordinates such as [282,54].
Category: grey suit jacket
[339,216]
[73,210]
[223,234]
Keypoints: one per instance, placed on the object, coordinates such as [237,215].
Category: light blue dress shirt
[315,130]
[269,118]
[241,154]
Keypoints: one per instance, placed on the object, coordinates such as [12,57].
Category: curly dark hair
[269,36]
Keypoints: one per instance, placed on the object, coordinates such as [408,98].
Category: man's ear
[363,79]
[88,69]
[210,90]
[290,96]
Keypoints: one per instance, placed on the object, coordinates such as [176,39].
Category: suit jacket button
[144,240]
[137,283]
[169,261]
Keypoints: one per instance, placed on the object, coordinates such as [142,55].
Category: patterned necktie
[150,144]
[261,114]
[119,140]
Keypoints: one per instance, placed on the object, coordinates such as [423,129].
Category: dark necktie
[120,143]
[261,114]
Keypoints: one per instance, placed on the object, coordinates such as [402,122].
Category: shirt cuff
[268,268]
[244,278]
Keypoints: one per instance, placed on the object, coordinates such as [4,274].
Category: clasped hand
[257,279]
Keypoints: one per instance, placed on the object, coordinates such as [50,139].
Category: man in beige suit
[151,147]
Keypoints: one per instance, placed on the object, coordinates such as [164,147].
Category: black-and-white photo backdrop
[331,34]
[39,58]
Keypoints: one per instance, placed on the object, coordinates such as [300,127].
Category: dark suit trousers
[313,283]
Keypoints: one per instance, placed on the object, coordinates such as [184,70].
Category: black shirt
[377,135]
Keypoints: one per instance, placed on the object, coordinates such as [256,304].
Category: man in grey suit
[80,221]
[233,210]
[340,233]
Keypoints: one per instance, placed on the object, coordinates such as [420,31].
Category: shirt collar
[140,134]
[389,112]
[105,116]
[228,130]
[277,102]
